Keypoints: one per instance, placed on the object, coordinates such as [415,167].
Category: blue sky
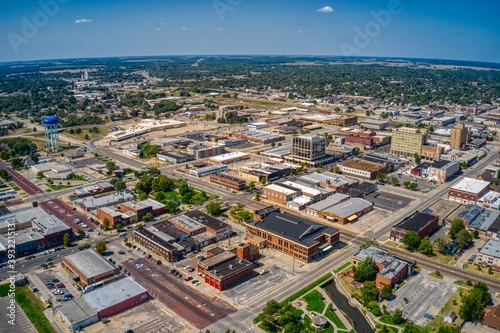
[444,29]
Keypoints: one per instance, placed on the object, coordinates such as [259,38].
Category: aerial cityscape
[245,173]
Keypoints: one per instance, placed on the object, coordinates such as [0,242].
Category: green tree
[463,239]
[140,225]
[457,225]
[263,181]
[416,156]
[111,166]
[80,233]
[475,234]
[448,329]
[440,244]
[365,270]
[87,137]
[214,208]
[337,169]
[394,181]
[386,291]
[397,317]
[118,227]
[67,240]
[71,131]
[120,185]
[4,174]
[105,224]
[413,186]
[78,130]
[100,247]
[369,292]
[171,206]
[148,217]
[257,196]
[474,302]
[411,240]
[39,175]
[426,246]
[382,177]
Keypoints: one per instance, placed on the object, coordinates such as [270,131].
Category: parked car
[263,272]
[50,285]
[189,278]
[48,259]
[60,285]
[158,262]
[191,270]
[121,252]
[55,280]
[67,297]
[406,300]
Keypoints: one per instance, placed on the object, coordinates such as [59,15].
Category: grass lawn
[389,328]
[4,289]
[449,306]
[57,187]
[103,131]
[315,301]
[461,283]
[16,188]
[484,271]
[391,243]
[330,314]
[437,275]
[33,308]
[307,289]
[341,268]
[443,258]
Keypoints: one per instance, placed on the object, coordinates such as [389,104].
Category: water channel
[352,314]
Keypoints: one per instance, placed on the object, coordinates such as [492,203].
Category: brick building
[392,269]
[158,241]
[89,266]
[468,190]
[364,169]
[293,235]
[115,216]
[228,181]
[224,269]
[212,225]
[279,193]
[423,224]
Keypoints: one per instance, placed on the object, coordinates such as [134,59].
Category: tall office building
[407,141]
[459,136]
[308,147]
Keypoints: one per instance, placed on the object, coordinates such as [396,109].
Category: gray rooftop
[470,213]
[349,207]
[187,223]
[391,265]
[105,200]
[294,228]
[77,310]
[484,220]
[113,293]
[89,263]
[491,248]
[329,178]
[328,202]
[44,223]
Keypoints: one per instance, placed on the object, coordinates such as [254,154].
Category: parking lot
[23,325]
[144,318]
[425,295]
[178,295]
[388,201]
[257,285]
[67,214]
[55,281]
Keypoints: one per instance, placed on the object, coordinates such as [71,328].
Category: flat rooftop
[186,223]
[415,222]
[89,263]
[470,213]
[207,220]
[348,207]
[294,228]
[359,165]
[77,310]
[470,185]
[281,189]
[113,293]
[491,248]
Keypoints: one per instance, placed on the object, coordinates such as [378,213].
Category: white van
[122,234]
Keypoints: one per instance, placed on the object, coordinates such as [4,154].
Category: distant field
[103,131]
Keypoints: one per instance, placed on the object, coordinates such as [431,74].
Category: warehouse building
[293,235]
[205,149]
[343,212]
[77,314]
[115,297]
[89,266]
[422,223]
[229,158]
[264,173]
[228,181]
[208,170]
[174,157]
[364,169]
[212,225]
[333,181]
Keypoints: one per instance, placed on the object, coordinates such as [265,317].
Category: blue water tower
[51,125]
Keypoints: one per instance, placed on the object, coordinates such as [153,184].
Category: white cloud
[157,29]
[326,9]
[184,28]
[83,21]
[218,29]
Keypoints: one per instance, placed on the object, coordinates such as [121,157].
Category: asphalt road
[21,181]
